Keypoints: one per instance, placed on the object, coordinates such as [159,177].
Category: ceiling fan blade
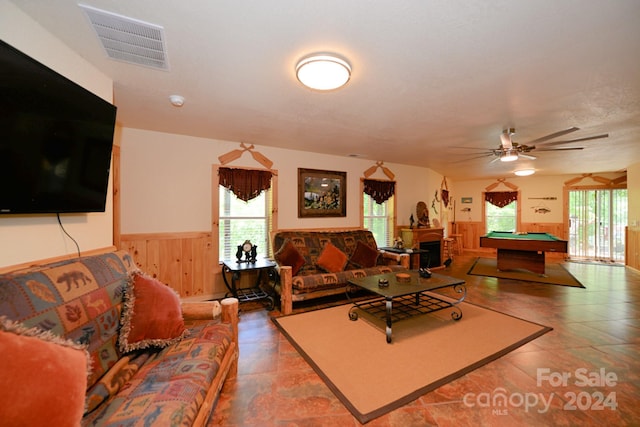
[560,149]
[553,135]
[474,158]
[588,138]
[471,148]
[527,156]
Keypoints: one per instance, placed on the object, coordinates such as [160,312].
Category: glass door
[597,220]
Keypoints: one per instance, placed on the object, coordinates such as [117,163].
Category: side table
[414,255]
[234,269]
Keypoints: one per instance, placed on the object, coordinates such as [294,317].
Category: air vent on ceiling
[129,40]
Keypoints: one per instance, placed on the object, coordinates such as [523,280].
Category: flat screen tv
[55,140]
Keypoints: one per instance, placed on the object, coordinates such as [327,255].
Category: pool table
[522,250]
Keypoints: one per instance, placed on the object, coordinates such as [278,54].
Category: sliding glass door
[597,220]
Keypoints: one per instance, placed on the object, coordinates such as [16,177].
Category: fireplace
[431,258]
[428,239]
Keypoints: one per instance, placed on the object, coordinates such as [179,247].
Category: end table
[234,269]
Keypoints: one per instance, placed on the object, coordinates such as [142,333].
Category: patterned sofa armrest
[226,310]
[389,258]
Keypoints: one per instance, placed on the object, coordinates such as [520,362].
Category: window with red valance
[501,198]
[380,191]
[245,183]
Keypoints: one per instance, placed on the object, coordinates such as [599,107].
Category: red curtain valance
[380,191]
[245,183]
[501,198]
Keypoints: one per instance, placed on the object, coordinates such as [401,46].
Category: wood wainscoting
[632,246]
[184,261]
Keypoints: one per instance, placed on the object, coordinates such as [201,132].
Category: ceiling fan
[510,150]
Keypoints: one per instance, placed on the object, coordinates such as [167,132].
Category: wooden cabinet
[427,239]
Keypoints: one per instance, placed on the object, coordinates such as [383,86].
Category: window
[501,219]
[378,218]
[235,220]
[240,220]
[501,211]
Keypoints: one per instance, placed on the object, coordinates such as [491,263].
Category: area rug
[371,377]
[555,274]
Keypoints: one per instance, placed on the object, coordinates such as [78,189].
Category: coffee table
[402,300]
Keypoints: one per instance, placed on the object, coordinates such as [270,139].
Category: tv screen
[55,140]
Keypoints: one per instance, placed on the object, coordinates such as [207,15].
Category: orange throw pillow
[151,316]
[289,255]
[332,259]
[43,376]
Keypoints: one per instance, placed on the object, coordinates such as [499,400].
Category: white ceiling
[428,76]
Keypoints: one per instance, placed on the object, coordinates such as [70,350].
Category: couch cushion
[78,299]
[310,243]
[317,282]
[364,256]
[152,315]
[171,386]
[289,255]
[43,376]
[332,259]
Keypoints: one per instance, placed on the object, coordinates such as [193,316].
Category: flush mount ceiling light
[176,100]
[525,172]
[509,155]
[323,71]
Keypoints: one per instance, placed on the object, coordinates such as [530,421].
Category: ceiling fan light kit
[323,71]
[509,155]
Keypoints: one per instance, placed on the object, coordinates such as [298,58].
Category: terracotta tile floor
[596,331]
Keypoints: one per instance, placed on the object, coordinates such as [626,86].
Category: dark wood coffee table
[402,300]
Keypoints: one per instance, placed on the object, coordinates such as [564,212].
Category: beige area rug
[372,377]
[555,274]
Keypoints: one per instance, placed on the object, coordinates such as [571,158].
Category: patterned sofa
[317,263]
[94,341]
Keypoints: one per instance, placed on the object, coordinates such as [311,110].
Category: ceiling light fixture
[322,71]
[509,155]
[176,100]
[525,172]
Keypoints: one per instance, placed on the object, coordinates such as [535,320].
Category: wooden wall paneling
[184,261]
[138,250]
[170,264]
[632,246]
[152,260]
[191,285]
[471,232]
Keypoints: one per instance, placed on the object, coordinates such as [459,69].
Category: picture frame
[321,193]
[466,199]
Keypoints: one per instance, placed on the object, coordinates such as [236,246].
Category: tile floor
[595,340]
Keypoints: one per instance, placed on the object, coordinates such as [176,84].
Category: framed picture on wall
[321,193]
[466,199]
